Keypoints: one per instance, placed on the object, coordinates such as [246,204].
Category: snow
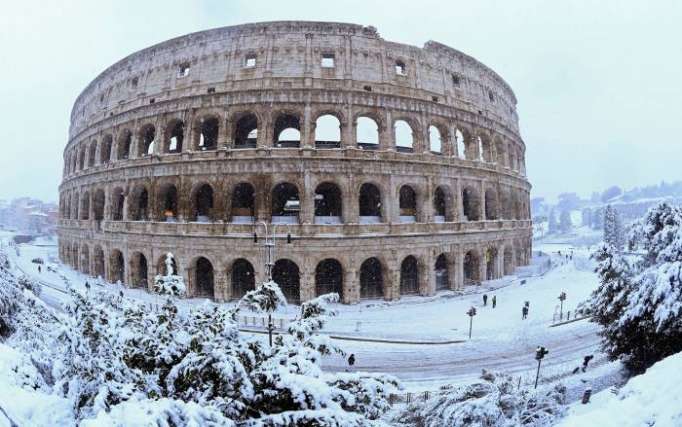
[653,398]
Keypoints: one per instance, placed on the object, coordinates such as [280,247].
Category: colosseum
[377,169]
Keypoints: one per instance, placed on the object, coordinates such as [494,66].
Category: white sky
[598,83]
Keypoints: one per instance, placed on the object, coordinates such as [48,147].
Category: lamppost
[471,313]
[540,353]
[269,245]
[562,298]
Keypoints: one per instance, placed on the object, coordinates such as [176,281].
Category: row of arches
[286,129]
[328,203]
[374,277]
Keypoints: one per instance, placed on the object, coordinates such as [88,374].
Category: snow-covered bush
[639,305]
[494,401]
[169,284]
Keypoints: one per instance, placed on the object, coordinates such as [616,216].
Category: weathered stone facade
[180,148]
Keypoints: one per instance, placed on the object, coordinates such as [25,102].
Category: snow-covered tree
[639,305]
[613,228]
[170,283]
[565,224]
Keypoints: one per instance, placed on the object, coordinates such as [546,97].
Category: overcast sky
[599,84]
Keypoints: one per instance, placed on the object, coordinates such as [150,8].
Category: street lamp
[471,313]
[562,298]
[540,353]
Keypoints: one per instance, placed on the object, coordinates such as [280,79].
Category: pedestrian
[586,361]
[527,304]
[494,300]
[38,269]
[524,313]
[351,360]
[485,299]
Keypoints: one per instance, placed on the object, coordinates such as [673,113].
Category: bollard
[586,396]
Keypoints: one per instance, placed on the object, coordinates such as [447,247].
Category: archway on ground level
[442,274]
[208,134]
[286,274]
[98,262]
[491,255]
[409,276]
[203,278]
[408,204]
[287,131]
[327,132]
[329,278]
[508,261]
[491,207]
[139,272]
[367,133]
[371,279]
[243,278]
[202,203]
[472,270]
[328,204]
[243,203]
[370,203]
[285,203]
[471,204]
[246,132]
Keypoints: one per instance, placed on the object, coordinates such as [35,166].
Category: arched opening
[202,203]
[442,275]
[491,264]
[400,68]
[285,203]
[147,137]
[370,204]
[98,207]
[175,136]
[408,204]
[246,132]
[471,204]
[404,140]
[367,133]
[329,278]
[440,202]
[287,131]
[500,154]
[506,209]
[98,262]
[139,208]
[435,140]
[286,274]
[118,203]
[471,268]
[409,276]
[81,159]
[92,154]
[85,260]
[243,278]
[168,203]
[162,265]
[484,147]
[203,278]
[139,271]
[124,143]
[116,267]
[328,204]
[85,206]
[243,204]
[508,261]
[208,134]
[105,149]
[327,132]
[491,209]
[371,279]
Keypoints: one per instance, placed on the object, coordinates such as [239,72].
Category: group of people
[524,309]
[493,301]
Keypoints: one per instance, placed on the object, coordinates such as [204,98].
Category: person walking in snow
[39,270]
[494,300]
[485,300]
[351,360]
[586,361]
[524,312]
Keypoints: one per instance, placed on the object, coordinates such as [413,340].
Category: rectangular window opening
[328,60]
[250,61]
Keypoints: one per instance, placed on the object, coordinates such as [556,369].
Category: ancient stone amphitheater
[381,169]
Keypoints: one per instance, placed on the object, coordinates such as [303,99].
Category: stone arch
[367,132]
[105,149]
[139,270]
[409,276]
[443,205]
[125,141]
[329,277]
[167,202]
[246,130]
[204,278]
[508,261]
[147,140]
[441,272]
[471,147]
[435,140]
[371,279]
[98,202]
[407,203]
[243,278]
[208,129]
[98,262]
[75,205]
[117,203]
[328,131]
[287,275]
[81,158]
[202,202]
[491,263]
[370,203]
[403,135]
[287,130]
[471,268]
[485,147]
[84,209]
[471,204]
[92,154]
[138,206]
[175,136]
[286,203]
[243,203]
[491,205]
[500,152]
[328,203]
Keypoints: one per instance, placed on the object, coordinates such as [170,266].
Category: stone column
[307,283]
[387,133]
[392,281]
[482,265]
[265,131]
[307,200]
[427,277]
[457,200]
[308,129]
[482,199]
[427,212]
[351,287]
[348,131]
[225,132]
[221,291]
[455,269]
